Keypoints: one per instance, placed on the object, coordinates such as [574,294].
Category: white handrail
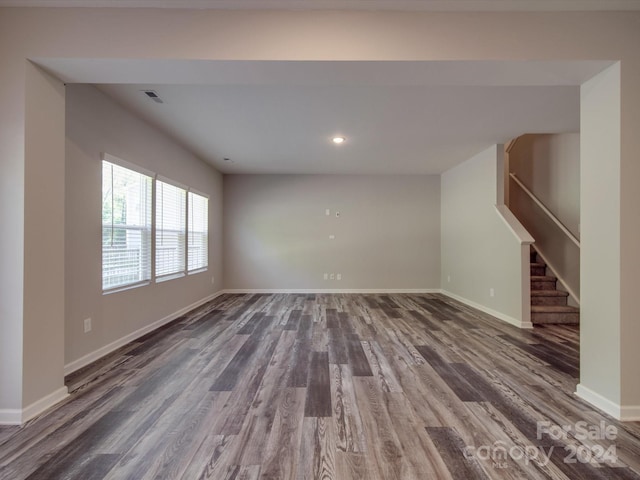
[521,234]
[510,146]
[546,210]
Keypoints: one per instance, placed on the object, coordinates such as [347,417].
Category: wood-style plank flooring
[374,387]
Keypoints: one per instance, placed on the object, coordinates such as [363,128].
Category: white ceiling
[287,129]
[398,117]
[402,5]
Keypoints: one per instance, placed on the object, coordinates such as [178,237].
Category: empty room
[287,239]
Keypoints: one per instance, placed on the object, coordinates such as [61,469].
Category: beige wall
[276,231]
[96,124]
[600,332]
[549,166]
[44,196]
[247,35]
[12,184]
[479,251]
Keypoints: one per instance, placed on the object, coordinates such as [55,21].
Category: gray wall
[276,232]
[95,124]
[549,165]
[479,252]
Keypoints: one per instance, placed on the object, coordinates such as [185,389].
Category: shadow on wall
[549,166]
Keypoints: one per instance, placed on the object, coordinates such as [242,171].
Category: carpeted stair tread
[548,304]
[554,309]
[543,278]
[548,293]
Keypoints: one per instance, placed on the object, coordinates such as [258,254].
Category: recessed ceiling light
[338,140]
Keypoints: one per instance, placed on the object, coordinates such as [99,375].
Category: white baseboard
[101,352]
[332,290]
[19,416]
[41,405]
[493,313]
[10,416]
[629,413]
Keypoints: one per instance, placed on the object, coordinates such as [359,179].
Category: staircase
[548,304]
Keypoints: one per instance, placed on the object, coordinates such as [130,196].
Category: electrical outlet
[326,276]
[87,325]
[339,276]
[213,280]
[332,237]
[492,292]
[448,278]
[327,212]
[332,276]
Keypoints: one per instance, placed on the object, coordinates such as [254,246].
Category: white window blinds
[126,226]
[198,231]
[170,229]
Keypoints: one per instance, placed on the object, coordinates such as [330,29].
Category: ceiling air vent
[153,95]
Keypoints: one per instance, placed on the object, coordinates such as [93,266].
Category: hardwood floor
[328,387]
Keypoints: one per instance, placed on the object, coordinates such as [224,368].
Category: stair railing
[547,212]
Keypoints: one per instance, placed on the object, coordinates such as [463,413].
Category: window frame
[151,228]
[113,160]
[180,273]
[205,267]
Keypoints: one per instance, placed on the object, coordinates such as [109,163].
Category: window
[180,234]
[198,232]
[170,229]
[126,226]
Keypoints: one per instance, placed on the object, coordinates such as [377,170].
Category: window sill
[125,287]
[198,270]
[172,276]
